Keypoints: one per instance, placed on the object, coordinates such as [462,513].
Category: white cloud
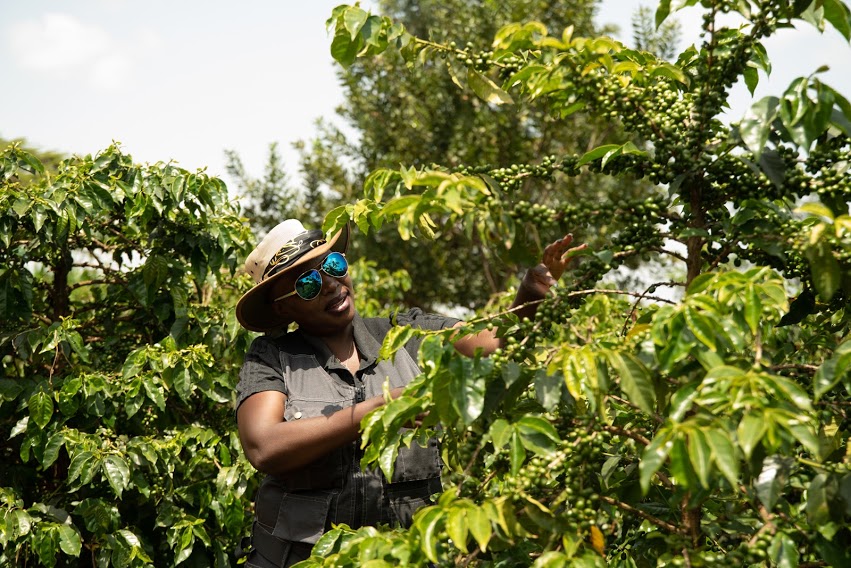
[110,72]
[62,44]
[56,42]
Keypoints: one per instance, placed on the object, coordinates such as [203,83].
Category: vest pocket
[301,517]
[417,462]
[404,499]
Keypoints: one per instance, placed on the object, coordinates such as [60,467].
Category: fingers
[555,250]
[561,251]
[570,252]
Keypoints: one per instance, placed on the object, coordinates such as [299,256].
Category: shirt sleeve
[261,371]
[415,317]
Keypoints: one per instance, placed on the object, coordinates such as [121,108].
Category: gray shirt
[263,369]
[300,505]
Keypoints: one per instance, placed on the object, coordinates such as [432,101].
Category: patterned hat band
[292,251]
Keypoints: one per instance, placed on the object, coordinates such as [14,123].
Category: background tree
[49,159]
[394,116]
[662,41]
[706,431]
[119,352]
[272,198]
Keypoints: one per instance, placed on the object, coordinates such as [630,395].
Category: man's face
[332,311]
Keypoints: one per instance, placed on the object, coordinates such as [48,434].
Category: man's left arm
[533,288]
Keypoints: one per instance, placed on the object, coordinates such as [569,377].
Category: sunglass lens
[335,264]
[308,285]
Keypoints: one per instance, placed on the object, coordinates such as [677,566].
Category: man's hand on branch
[535,285]
[557,256]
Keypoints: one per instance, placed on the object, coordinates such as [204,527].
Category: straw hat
[286,248]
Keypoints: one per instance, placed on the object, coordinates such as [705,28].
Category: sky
[185,80]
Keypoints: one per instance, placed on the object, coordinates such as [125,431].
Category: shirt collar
[368,347]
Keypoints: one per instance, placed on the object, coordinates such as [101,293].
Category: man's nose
[329,283]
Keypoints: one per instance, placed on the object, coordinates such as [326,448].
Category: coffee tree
[119,352]
[393,116]
[624,427]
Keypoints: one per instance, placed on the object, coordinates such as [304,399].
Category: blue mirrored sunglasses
[309,284]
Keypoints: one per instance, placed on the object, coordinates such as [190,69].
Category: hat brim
[255,312]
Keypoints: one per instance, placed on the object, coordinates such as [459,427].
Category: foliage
[118,356]
[394,115]
[49,159]
[379,291]
[271,199]
[705,431]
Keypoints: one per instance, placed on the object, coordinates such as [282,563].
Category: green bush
[706,428]
[119,353]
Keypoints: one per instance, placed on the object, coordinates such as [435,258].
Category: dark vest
[301,505]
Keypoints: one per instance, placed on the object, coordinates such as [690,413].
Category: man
[303,394]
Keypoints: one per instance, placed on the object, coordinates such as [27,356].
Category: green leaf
[773,166]
[427,521]
[40,406]
[771,483]
[703,327]
[682,401]
[510,373]
[457,73]
[756,125]
[653,457]
[516,453]
[662,11]
[328,543]
[751,75]
[783,551]
[671,72]
[548,388]
[724,453]
[51,450]
[537,434]
[681,469]
[836,12]
[635,380]
[155,392]
[467,388]
[486,89]
[34,164]
[182,381]
[69,540]
[751,429]
[344,49]
[457,528]
[46,543]
[117,473]
[501,432]
[335,220]
[399,205]
[82,466]
[354,19]
[596,153]
[788,389]
[820,493]
[804,433]
[816,209]
[396,339]
[700,454]
[18,522]
[824,269]
[480,526]
[753,309]
[10,389]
